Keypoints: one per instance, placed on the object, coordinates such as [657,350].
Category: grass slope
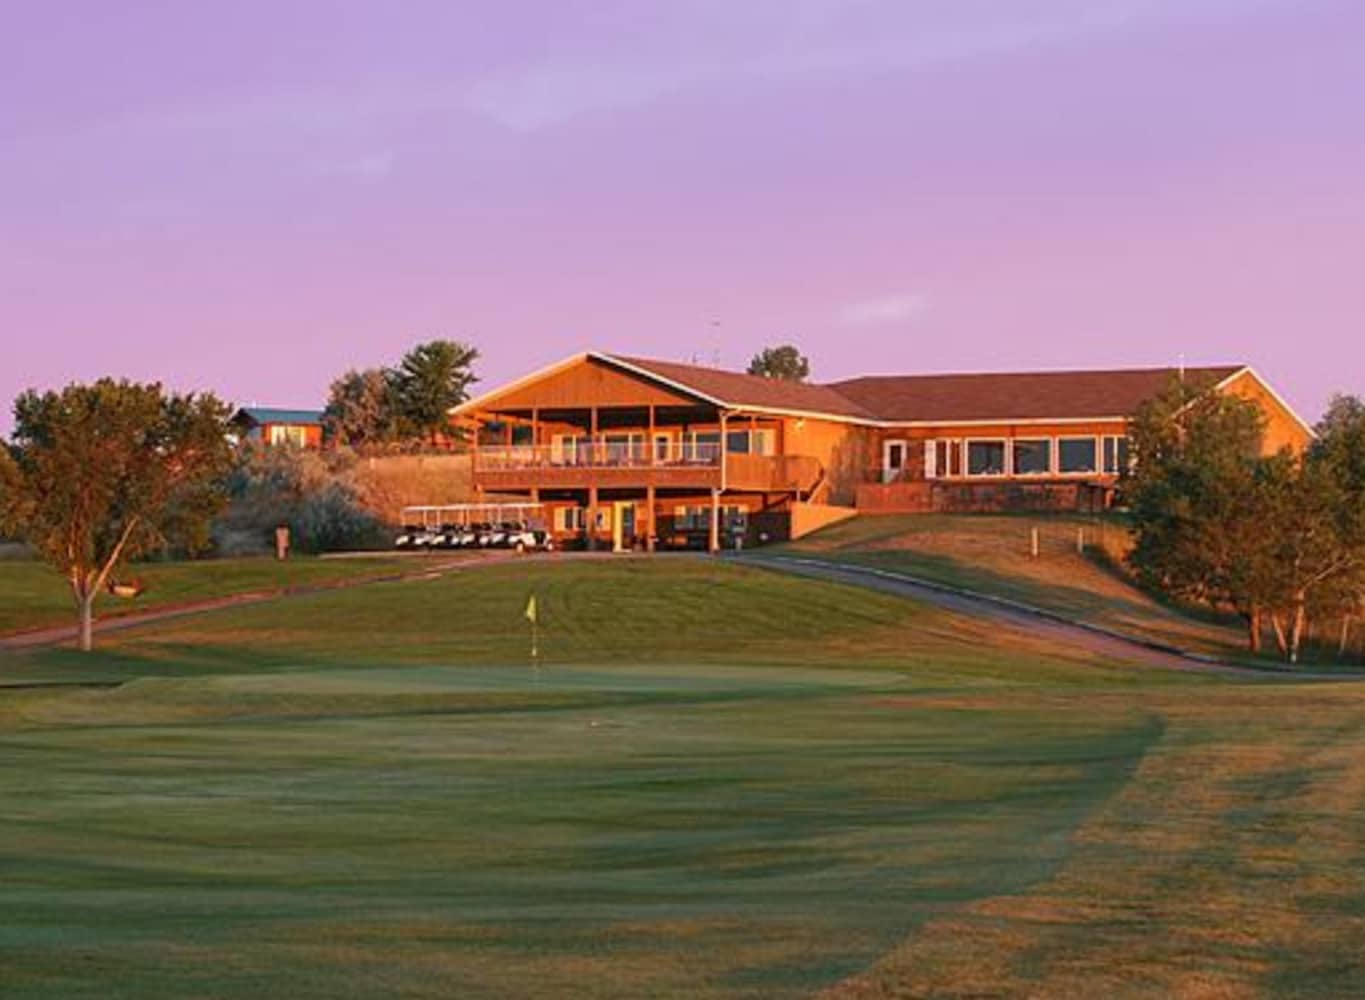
[33,595]
[721,783]
[991,554]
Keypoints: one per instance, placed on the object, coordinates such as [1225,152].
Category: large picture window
[1077,455]
[1033,457]
[288,434]
[985,458]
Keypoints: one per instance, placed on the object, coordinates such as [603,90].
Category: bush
[313,494]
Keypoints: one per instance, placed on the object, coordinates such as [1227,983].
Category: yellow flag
[532,614]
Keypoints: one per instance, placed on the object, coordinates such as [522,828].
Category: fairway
[720,782]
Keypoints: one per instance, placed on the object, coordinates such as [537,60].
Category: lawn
[33,595]
[992,554]
[719,782]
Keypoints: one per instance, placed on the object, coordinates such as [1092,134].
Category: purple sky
[252,197]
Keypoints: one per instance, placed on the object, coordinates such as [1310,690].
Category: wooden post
[592,479]
[1033,542]
[478,486]
[715,521]
[592,518]
[650,519]
[1080,541]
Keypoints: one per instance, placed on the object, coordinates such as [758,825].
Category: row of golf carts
[516,526]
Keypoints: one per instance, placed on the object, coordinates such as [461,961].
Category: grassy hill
[992,554]
[33,595]
[720,782]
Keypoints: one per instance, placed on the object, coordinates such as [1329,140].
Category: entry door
[623,527]
[893,460]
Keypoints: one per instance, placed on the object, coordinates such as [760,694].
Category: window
[570,519]
[942,459]
[1076,455]
[622,449]
[750,442]
[1115,455]
[569,449]
[290,434]
[663,447]
[701,447]
[985,458]
[1032,456]
[893,460]
[523,435]
[733,519]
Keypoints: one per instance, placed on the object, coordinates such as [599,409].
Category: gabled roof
[738,390]
[897,400]
[277,415]
[1007,396]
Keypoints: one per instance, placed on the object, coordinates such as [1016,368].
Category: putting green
[590,832]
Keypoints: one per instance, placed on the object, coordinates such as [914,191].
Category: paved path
[1035,621]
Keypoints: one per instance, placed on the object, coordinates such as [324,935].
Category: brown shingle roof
[1062,395]
[1056,395]
[738,389]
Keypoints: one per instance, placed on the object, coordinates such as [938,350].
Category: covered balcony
[631,461]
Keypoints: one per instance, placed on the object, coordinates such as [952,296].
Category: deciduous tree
[97,474]
[363,408]
[783,362]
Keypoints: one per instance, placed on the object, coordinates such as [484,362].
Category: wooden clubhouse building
[632,453]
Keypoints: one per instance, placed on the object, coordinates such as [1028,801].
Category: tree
[1198,494]
[98,474]
[785,363]
[431,379]
[363,408]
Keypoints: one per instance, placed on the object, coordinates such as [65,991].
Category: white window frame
[889,474]
[564,448]
[967,472]
[1116,440]
[1099,454]
[1051,444]
[667,454]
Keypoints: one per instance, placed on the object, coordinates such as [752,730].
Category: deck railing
[600,453]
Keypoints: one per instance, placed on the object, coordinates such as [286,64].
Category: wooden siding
[587,384]
[1282,429]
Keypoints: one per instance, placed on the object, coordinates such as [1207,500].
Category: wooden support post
[649,443]
[591,527]
[1033,542]
[593,459]
[715,521]
[651,520]
[1080,541]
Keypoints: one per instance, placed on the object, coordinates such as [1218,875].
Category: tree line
[1278,538]
[407,403]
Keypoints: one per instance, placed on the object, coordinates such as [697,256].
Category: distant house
[630,452]
[271,425]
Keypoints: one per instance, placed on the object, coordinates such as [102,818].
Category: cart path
[435,567]
[1035,621]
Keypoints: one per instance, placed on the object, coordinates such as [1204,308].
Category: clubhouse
[631,453]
